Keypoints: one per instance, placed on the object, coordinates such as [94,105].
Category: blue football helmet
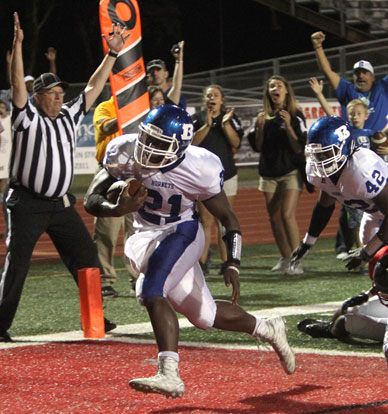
[329,144]
[163,137]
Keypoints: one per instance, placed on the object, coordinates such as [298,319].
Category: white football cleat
[273,331]
[166,381]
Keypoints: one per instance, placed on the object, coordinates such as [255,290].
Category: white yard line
[122,331]
[140,328]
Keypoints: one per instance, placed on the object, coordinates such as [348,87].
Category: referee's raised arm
[97,80]
[18,86]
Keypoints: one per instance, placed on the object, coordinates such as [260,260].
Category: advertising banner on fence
[85,161]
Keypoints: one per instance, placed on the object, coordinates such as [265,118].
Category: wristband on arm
[374,244]
[310,240]
[233,242]
[112,54]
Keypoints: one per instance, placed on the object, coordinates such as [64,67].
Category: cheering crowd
[188,180]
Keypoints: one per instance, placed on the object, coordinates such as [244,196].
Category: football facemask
[325,161]
[163,137]
[153,149]
[329,145]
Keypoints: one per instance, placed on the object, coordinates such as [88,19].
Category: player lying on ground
[169,239]
[354,176]
[361,316]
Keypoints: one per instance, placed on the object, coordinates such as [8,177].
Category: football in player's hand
[379,141]
[133,187]
[113,192]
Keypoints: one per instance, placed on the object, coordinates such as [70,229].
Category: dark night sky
[216,32]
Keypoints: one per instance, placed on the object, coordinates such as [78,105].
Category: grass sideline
[50,301]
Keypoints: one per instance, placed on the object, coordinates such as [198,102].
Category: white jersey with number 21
[172,191]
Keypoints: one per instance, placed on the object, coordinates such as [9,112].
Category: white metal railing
[246,82]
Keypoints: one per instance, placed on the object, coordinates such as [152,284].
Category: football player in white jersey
[169,239]
[354,176]
[361,316]
[357,177]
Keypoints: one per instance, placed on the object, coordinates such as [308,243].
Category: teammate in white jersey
[358,178]
[169,239]
[354,176]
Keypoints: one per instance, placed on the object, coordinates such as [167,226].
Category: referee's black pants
[29,216]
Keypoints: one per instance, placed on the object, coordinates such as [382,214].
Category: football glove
[300,252]
[354,301]
[357,258]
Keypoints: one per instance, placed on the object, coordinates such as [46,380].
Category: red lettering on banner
[133,72]
[337,110]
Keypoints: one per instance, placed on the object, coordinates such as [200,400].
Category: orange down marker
[128,76]
[92,314]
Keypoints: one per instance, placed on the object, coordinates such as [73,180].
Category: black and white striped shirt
[43,149]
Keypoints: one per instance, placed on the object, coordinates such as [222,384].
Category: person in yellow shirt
[107,229]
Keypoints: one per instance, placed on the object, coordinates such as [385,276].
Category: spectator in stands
[51,56]
[280,139]
[29,81]
[157,75]
[157,96]
[41,172]
[107,229]
[219,130]
[364,86]
[5,94]
[3,109]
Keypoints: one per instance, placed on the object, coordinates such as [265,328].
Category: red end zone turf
[92,377]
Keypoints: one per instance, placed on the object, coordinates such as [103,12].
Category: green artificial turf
[50,298]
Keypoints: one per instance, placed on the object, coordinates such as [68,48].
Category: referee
[41,172]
